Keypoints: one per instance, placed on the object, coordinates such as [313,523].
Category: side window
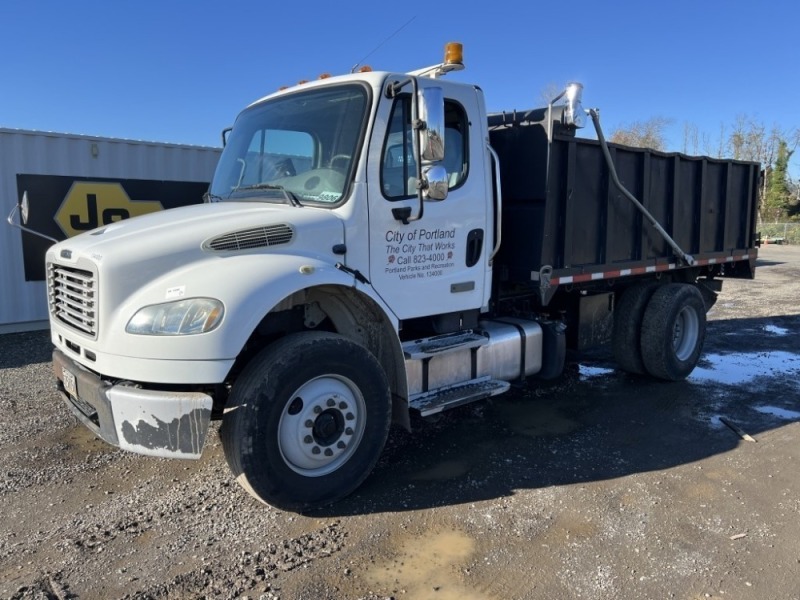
[456,161]
[398,169]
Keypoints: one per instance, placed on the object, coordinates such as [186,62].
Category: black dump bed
[565,222]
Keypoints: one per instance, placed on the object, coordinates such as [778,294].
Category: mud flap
[708,290]
[554,349]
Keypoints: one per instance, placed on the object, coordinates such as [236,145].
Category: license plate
[70,383]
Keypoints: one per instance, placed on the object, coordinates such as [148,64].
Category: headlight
[184,317]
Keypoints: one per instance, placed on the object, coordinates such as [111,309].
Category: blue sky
[180,71]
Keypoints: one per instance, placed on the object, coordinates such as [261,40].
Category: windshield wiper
[271,186]
[209,197]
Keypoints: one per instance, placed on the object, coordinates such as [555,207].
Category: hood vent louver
[247,239]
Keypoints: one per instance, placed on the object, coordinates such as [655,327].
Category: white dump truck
[374,244]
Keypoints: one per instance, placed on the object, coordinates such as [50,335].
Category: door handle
[474,246]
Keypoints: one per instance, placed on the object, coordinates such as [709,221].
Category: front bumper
[157,423]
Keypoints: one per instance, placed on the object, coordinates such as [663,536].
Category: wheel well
[341,310]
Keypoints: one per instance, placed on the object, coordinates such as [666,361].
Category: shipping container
[75,183]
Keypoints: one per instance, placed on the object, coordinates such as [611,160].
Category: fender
[249,286]
[285,276]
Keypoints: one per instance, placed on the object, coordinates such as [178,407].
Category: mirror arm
[418,127]
[404,214]
[393,88]
[225,133]
[26,229]
[427,121]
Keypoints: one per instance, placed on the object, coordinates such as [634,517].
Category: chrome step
[441,344]
[435,401]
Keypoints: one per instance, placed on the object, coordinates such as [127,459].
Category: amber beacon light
[454,54]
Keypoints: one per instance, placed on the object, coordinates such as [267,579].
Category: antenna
[374,50]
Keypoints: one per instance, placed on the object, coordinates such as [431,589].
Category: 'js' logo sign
[91,204]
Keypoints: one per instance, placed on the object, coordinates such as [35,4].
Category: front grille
[257,237]
[73,297]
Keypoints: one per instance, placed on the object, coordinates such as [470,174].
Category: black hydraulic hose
[687,258]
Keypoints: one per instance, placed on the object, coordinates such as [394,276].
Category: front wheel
[307,420]
[673,331]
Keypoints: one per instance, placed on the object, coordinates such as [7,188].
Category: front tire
[673,331]
[307,420]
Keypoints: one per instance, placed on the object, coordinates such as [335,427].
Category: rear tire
[673,331]
[306,420]
[627,332]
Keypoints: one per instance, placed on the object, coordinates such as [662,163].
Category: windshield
[297,148]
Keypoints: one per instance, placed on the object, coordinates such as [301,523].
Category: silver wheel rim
[685,333]
[321,425]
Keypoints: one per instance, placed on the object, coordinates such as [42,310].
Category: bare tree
[747,138]
[644,134]
[707,144]
[721,143]
[691,138]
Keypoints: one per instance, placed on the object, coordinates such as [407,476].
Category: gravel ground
[598,486]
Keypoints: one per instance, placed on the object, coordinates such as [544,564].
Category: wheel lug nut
[342,405]
[317,410]
[315,450]
[309,423]
[308,439]
[349,431]
[341,445]
[328,452]
[349,416]
[331,402]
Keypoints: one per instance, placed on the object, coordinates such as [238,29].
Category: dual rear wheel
[659,330]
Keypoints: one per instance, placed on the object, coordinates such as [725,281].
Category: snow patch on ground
[716,422]
[587,372]
[775,330]
[742,368]
[776,411]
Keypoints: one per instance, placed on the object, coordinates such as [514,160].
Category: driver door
[437,264]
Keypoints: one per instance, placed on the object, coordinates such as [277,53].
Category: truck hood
[185,229]
[130,254]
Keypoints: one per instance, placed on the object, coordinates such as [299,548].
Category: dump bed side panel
[562,211]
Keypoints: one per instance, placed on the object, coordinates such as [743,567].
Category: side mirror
[24,208]
[437,183]
[225,133]
[431,112]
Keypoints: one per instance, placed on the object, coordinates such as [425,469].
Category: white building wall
[23,304]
